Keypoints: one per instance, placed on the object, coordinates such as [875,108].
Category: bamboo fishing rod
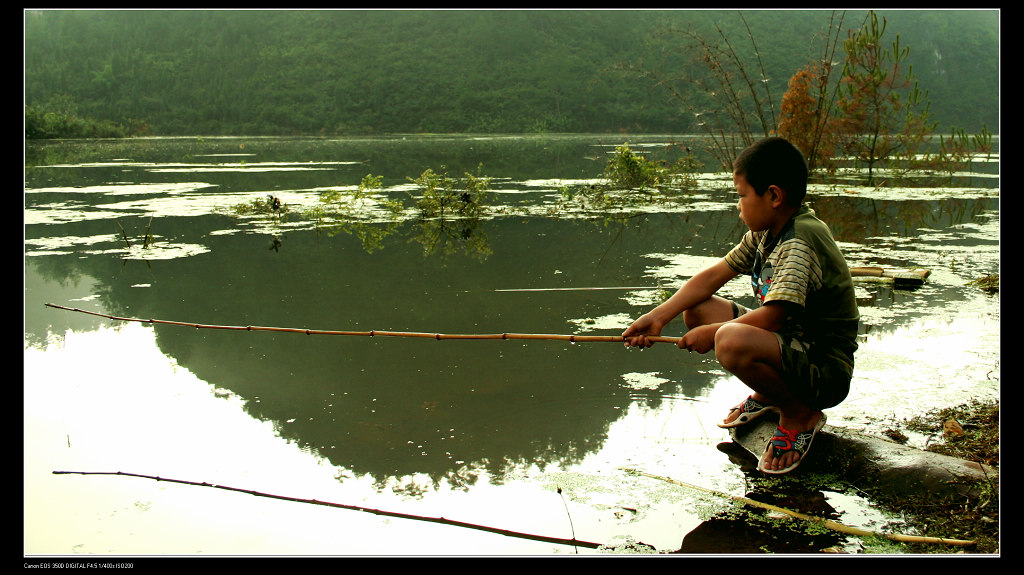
[441,520]
[572,338]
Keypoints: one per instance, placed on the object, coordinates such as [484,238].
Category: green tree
[882,113]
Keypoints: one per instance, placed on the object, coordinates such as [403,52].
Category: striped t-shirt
[803,266]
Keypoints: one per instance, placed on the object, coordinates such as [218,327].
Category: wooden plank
[899,278]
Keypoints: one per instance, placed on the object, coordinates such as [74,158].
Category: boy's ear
[777,195]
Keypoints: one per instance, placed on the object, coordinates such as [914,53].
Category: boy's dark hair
[774,161]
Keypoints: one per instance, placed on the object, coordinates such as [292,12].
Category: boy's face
[756,211]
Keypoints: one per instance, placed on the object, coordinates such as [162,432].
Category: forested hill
[362,72]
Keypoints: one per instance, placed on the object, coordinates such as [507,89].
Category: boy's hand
[636,334]
[700,339]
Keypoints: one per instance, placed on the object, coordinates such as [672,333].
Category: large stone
[875,461]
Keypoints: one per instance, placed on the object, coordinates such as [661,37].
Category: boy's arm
[697,289]
[771,316]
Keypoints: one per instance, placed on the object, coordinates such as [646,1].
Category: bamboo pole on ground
[572,338]
[835,526]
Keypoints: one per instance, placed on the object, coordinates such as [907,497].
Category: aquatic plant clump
[630,179]
[989,284]
[270,204]
[627,170]
[442,196]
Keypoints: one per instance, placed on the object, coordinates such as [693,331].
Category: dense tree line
[362,72]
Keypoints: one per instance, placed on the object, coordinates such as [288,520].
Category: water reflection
[854,219]
[398,407]
[389,408]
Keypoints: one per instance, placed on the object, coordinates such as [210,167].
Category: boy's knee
[738,345]
[730,345]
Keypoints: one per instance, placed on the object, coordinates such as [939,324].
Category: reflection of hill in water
[856,219]
[394,407]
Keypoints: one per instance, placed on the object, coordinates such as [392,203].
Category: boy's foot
[748,410]
[787,448]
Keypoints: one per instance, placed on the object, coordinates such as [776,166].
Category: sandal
[750,409]
[785,441]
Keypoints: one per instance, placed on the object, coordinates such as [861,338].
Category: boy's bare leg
[715,309]
[718,310]
[752,354]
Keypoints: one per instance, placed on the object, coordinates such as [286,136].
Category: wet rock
[900,469]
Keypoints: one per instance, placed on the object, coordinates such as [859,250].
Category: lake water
[529,436]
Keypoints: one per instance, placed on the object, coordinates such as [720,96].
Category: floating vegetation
[630,179]
[268,205]
[615,321]
[443,196]
[248,167]
[160,251]
[989,284]
[354,212]
[448,212]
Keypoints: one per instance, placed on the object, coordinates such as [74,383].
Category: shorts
[819,378]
